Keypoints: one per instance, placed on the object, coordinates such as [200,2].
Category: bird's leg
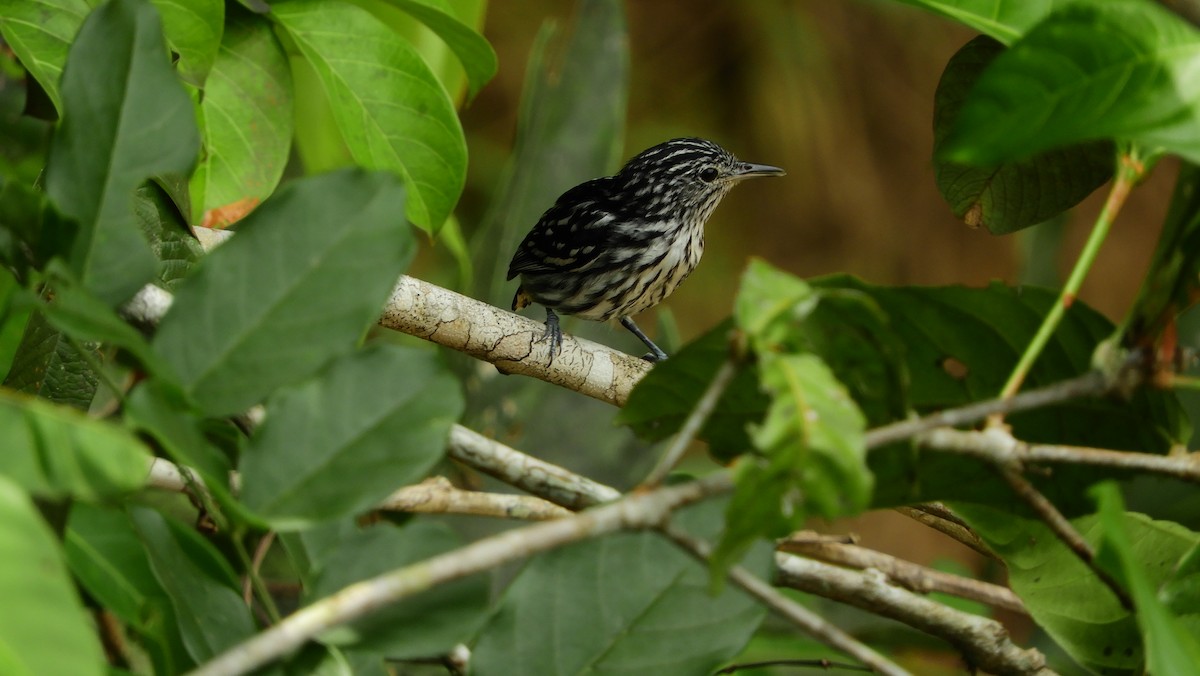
[656,354]
[552,334]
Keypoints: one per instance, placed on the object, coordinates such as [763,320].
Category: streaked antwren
[615,246]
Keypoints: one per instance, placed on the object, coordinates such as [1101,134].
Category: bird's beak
[748,170]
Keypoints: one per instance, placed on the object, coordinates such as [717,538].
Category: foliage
[246,115]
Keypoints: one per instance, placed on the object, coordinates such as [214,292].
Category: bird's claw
[553,335]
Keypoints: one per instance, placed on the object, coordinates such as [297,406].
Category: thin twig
[798,664]
[1089,384]
[1063,530]
[955,531]
[543,479]
[643,510]
[996,446]
[691,426]
[436,495]
[909,575]
[984,643]
[811,623]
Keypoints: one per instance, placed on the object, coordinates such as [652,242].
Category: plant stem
[1129,170]
[260,589]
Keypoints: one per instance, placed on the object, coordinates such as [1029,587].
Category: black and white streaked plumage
[615,246]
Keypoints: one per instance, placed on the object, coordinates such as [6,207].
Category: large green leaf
[429,623]
[306,275]
[374,421]
[1061,592]
[199,583]
[1170,649]
[105,555]
[40,34]
[1005,20]
[126,117]
[1017,194]
[570,129]
[391,110]
[166,228]
[247,118]
[43,629]
[476,55]
[959,346]
[625,603]
[193,30]
[1121,69]
[54,451]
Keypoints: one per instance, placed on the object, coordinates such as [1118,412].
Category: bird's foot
[655,357]
[553,335]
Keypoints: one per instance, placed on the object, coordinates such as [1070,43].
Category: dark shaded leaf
[105,555]
[170,240]
[1016,194]
[199,583]
[48,366]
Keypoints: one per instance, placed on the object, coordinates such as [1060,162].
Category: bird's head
[685,173]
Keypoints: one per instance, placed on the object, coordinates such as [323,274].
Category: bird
[618,245]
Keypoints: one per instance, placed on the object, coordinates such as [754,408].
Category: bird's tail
[521,300]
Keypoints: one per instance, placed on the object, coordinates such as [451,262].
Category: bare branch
[643,510]
[812,624]
[983,642]
[436,495]
[541,478]
[904,573]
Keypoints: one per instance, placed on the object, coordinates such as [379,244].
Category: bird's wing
[571,234]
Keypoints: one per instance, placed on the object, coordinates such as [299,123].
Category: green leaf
[126,117]
[1180,593]
[390,108]
[570,128]
[336,445]
[1170,649]
[1005,20]
[48,366]
[625,603]
[199,583]
[1017,194]
[105,555]
[429,623]
[662,400]
[813,457]
[44,629]
[54,451]
[473,51]
[193,30]
[304,278]
[247,119]
[1063,595]
[40,34]
[1120,69]
[172,243]
[21,210]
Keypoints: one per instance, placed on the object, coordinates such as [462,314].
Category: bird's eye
[708,174]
